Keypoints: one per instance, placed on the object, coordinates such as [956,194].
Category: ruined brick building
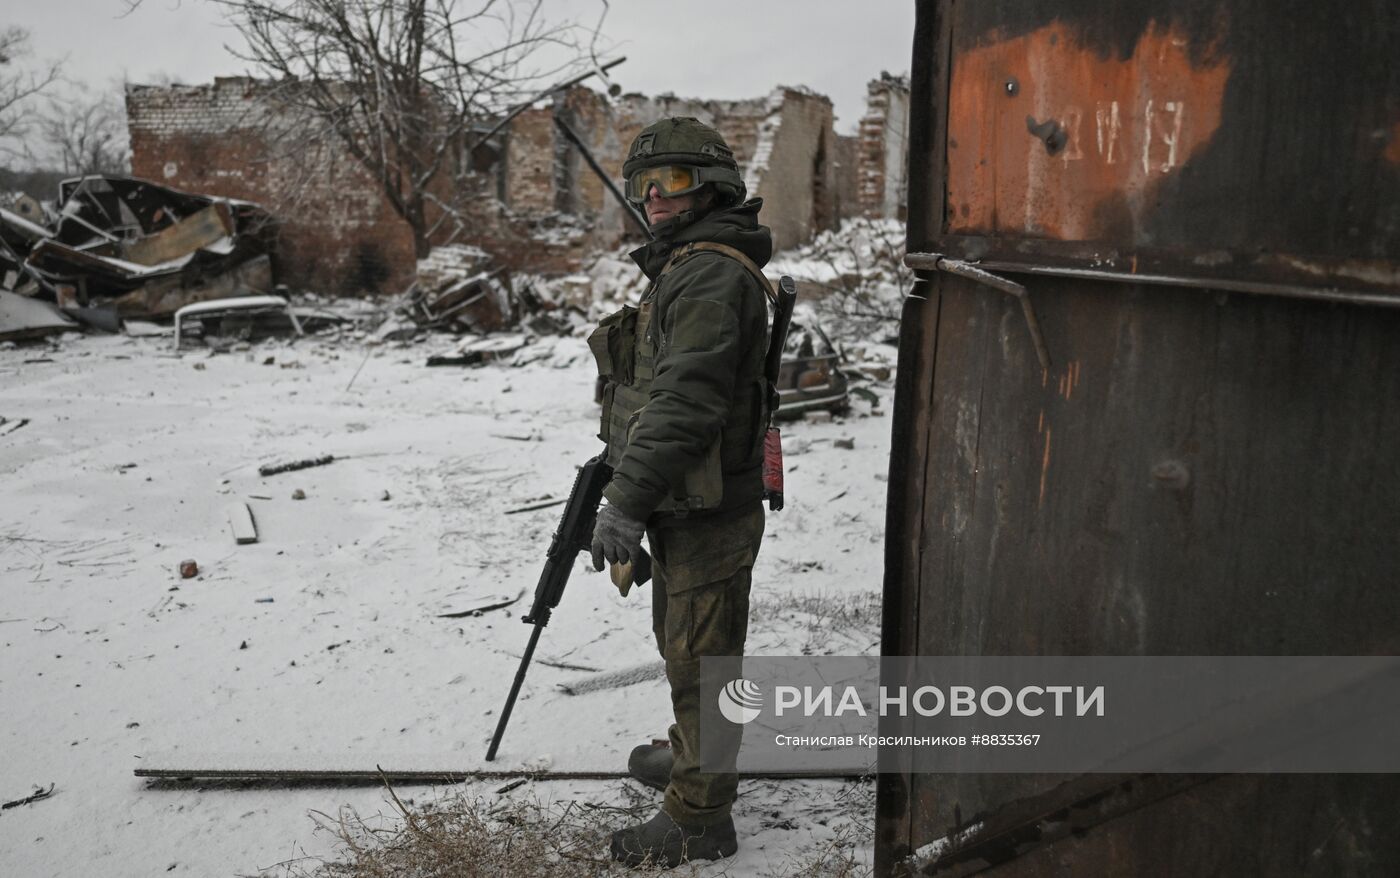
[545,209]
[882,168]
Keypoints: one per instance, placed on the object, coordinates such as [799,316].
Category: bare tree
[84,135]
[403,87]
[19,84]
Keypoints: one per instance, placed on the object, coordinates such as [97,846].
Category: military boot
[651,764]
[663,842]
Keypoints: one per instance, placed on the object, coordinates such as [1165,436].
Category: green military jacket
[685,402]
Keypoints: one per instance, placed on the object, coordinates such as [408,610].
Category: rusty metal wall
[1251,142]
[1205,468]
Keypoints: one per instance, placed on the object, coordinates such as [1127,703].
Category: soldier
[684,412]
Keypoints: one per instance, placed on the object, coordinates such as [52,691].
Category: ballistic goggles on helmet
[670,181]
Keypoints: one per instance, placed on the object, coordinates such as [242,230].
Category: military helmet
[681,154]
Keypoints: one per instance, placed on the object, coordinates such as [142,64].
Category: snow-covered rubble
[324,638]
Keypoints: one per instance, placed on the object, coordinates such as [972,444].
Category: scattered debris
[263,600]
[241,310]
[240,521]
[140,248]
[8,426]
[483,604]
[22,318]
[38,795]
[298,494]
[543,504]
[846,443]
[384,496]
[616,679]
[518,782]
[478,304]
[472,359]
[273,469]
[145,328]
[458,289]
[189,569]
[563,666]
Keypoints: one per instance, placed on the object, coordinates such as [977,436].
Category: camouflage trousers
[700,607]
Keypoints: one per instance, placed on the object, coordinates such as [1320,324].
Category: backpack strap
[687,250]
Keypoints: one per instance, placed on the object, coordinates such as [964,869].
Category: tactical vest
[625,346]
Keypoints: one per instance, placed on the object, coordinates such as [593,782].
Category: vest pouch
[609,393]
[703,484]
[613,345]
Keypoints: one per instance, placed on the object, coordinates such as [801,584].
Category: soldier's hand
[617,537]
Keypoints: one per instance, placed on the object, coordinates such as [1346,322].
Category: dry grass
[464,837]
[821,624]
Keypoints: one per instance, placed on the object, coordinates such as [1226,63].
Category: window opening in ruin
[821,204]
[371,269]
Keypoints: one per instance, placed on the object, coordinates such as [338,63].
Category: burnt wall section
[338,232]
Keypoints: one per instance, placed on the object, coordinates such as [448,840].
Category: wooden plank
[896,793]
[240,521]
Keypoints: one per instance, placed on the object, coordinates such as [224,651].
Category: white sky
[717,49]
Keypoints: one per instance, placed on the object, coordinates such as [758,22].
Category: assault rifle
[574,535]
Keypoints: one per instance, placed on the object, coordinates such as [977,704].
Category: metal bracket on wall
[935,262]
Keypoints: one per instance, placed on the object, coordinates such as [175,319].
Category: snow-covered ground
[323,639]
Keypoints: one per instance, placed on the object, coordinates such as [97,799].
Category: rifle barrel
[514,691]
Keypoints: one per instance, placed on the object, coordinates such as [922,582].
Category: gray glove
[617,537]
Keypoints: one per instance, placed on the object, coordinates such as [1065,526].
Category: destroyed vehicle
[809,379]
[141,249]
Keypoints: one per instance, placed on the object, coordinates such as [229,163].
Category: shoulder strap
[682,252]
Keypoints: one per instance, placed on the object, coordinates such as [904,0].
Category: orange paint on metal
[1114,127]
[1044,469]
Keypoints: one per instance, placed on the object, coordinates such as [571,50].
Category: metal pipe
[1292,291]
[525,105]
[587,154]
[935,262]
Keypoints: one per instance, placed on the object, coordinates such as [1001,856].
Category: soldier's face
[660,208]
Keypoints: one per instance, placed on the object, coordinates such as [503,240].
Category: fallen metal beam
[376,775]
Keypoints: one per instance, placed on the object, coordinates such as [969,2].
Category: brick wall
[340,235]
[783,143]
[883,154]
[794,168]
